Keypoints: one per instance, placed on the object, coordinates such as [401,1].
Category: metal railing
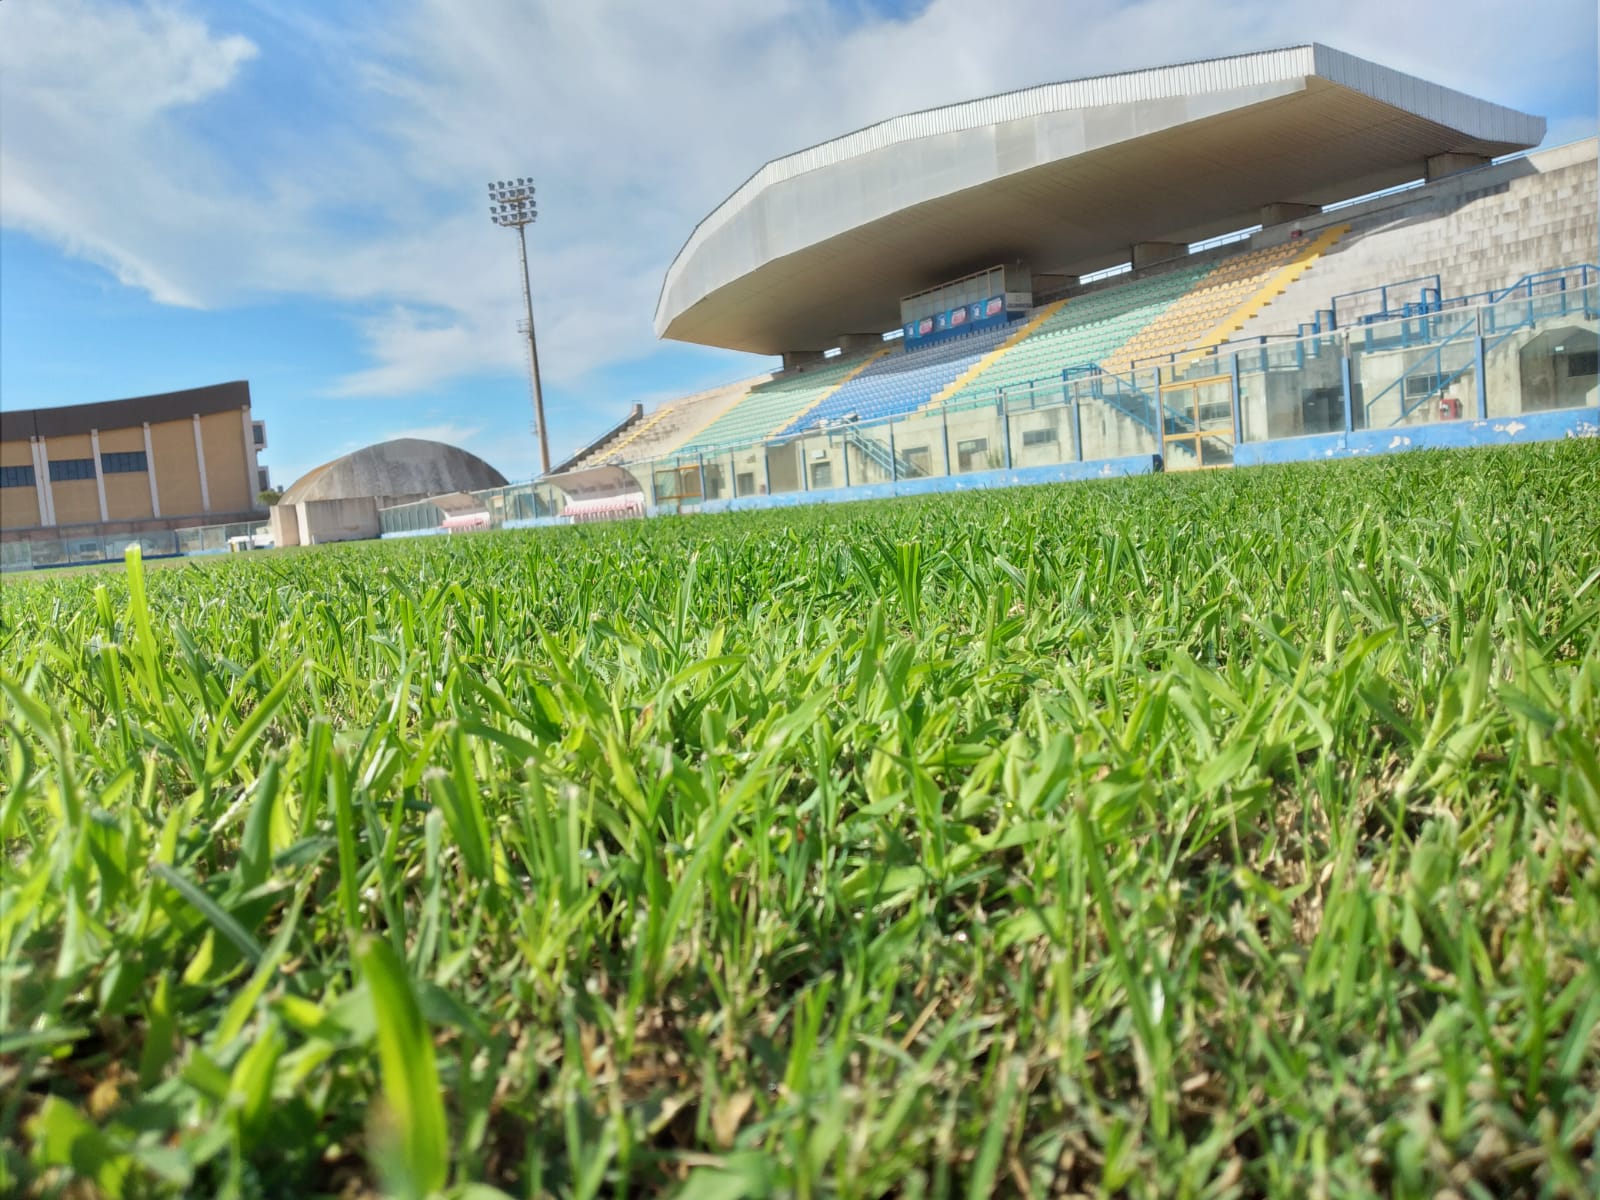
[1367,365]
[88,549]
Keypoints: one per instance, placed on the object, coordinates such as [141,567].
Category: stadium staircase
[893,465]
[1446,361]
[775,404]
[899,382]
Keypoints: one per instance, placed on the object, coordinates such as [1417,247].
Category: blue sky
[292,193]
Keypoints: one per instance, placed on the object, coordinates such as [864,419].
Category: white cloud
[450,432]
[347,162]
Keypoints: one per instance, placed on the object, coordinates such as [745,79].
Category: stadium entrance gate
[1199,423]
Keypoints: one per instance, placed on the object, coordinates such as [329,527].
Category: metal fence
[511,507]
[1530,351]
[72,550]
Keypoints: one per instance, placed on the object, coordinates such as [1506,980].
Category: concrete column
[851,342]
[200,461]
[1441,165]
[99,478]
[150,472]
[800,358]
[1280,211]
[250,452]
[1145,254]
[41,477]
[1045,285]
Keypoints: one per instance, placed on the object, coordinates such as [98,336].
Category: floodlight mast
[511,204]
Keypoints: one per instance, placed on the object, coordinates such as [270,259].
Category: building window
[744,483]
[16,476]
[1582,363]
[124,462]
[1039,437]
[918,460]
[821,475]
[1421,386]
[64,470]
[258,434]
[263,479]
[968,452]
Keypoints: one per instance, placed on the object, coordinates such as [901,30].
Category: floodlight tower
[511,204]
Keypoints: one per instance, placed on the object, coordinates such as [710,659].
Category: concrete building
[339,501]
[395,472]
[151,463]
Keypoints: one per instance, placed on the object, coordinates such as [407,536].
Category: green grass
[1192,836]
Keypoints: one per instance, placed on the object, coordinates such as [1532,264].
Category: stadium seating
[672,423]
[774,405]
[1084,330]
[901,381]
[1223,301]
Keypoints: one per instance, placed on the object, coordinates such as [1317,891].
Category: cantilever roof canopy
[1063,177]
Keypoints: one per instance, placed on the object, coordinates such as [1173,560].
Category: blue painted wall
[1501,431]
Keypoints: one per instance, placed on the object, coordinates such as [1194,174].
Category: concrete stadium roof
[1063,177]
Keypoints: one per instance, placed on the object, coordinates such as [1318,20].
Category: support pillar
[852,343]
[1482,377]
[1345,389]
[150,472]
[250,462]
[99,479]
[1441,165]
[41,482]
[1238,416]
[1146,254]
[1161,423]
[1280,211]
[793,360]
[200,461]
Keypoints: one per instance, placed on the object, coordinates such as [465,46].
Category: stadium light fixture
[512,205]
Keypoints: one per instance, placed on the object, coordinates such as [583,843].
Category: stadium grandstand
[1288,254]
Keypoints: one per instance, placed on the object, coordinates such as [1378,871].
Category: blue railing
[875,452]
[1500,314]
[1429,298]
[1430,365]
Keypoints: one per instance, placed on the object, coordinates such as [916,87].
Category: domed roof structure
[396,472]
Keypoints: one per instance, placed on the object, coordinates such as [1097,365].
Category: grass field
[1207,836]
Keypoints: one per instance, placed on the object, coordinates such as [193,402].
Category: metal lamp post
[511,204]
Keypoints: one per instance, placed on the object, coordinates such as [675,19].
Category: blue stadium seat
[903,381]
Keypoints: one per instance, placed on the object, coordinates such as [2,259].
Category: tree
[269,497]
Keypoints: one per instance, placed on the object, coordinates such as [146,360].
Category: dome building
[339,501]
[395,472]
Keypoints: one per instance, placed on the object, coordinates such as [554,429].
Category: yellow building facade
[171,461]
